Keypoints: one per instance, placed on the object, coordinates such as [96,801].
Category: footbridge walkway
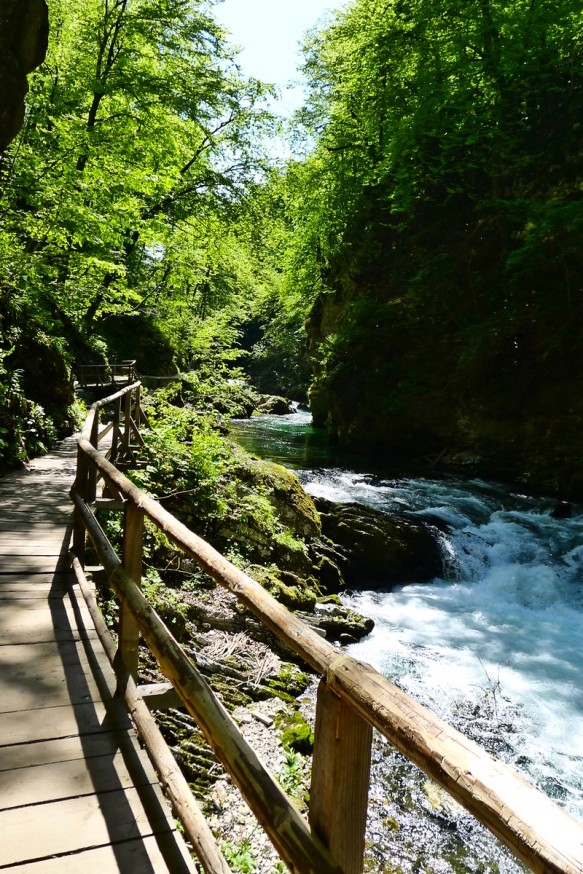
[82,762]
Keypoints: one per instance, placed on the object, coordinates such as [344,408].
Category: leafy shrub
[239,856]
[26,429]
[208,482]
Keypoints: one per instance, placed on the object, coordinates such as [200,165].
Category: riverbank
[488,645]
[491,644]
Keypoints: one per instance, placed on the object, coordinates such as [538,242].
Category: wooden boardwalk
[76,791]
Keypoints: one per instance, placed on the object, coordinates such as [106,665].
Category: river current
[493,647]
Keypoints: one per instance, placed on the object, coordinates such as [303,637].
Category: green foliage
[247,508]
[166,601]
[439,240]
[239,856]
[124,196]
[293,774]
[26,429]
[214,391]
[186,462]
[296,736]
[124,191]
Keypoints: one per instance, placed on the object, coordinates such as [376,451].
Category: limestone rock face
[375,549]
[24,29]
[46,377]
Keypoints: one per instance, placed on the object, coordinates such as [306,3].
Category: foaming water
[493,647]
[505,625]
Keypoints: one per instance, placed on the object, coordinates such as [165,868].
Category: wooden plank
[29,512]
[153,854]
[23,586]
[30,564]
[75,824]
[38,654]
[32,683]
[17,526]
[60,609]
[37,626]
[66,749]
[31,481]
[38,784]
[27,591]
[40,578]
[21,547]
[53,722]
[340,779]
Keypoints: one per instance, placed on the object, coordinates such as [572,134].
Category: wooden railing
[352,699]
[111,374]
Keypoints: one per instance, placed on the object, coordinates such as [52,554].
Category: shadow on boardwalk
[76,790]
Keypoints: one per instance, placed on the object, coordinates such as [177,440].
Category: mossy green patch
[296,733]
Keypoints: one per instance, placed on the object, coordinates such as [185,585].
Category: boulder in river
[373,549]
[273,405]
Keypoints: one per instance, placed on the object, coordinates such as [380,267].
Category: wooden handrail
[92,375]
[353,698]
[171,777]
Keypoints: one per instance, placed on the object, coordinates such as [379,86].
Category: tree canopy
[444,223]
[428,228]
[140,139]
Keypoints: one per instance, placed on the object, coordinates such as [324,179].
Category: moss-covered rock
[274,405]
[293,506]
[296,733]
[292,591]
[339,623]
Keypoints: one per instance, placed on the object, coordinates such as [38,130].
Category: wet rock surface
[274,405]
[372,549]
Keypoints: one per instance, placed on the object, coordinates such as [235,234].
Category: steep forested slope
[123,227]
[443,233]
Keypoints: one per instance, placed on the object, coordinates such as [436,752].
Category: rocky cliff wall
[24,30]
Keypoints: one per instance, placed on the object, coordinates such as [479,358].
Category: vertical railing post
[138,409]
[80,486]
[133,539]
[127,424]
[340,779]
[115,430]
[92,470]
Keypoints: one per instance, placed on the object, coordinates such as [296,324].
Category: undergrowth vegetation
[207,481]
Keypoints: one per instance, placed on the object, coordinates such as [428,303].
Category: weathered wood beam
[302,851]
[111,504]
[171,777]
[159,696]
[340,779]
[536,829]
[133,547]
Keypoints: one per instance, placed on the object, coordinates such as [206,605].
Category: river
[493,647]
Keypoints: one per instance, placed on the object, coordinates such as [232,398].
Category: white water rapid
[494,647]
